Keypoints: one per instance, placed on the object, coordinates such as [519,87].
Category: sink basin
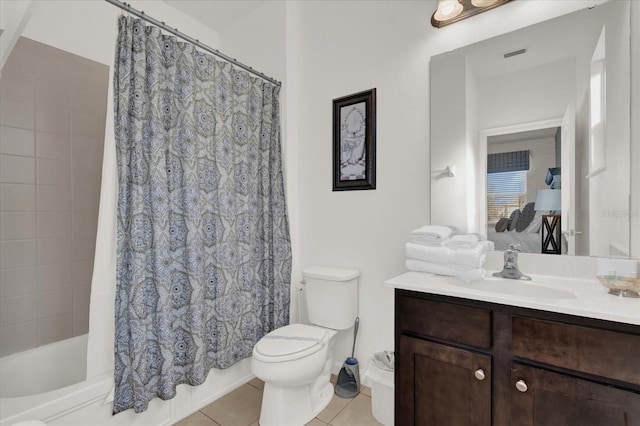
[516,288]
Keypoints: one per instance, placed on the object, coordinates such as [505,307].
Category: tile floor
[242,408]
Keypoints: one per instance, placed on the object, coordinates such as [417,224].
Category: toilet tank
[331,296]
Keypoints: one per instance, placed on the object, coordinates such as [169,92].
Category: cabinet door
[439,385]
[544,398]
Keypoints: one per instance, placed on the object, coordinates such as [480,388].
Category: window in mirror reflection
[519,165]
[506,192]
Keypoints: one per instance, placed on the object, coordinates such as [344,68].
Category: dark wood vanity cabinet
[462,362]
[444,389]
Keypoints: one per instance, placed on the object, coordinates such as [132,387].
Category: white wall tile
[54,329]
[53,145]
[18,281]
[55,303]
[17,197]
[15,169]
[16,141]
[17,253]
[55,276]
[54,224]
[54,250]
[17,338]
[17,226]
[53,172]
[54,198]
[14,310]
[16,113]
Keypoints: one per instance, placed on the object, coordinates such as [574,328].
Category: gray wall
[52,117]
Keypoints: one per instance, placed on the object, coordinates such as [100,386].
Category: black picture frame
[354,141]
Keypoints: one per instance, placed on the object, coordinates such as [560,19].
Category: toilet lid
[291,342]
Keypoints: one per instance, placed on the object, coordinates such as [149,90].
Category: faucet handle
[517,247]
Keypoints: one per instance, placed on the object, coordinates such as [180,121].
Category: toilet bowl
[295,364]
[295,361]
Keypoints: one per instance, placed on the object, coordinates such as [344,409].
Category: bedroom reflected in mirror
[524,186]
[538,122]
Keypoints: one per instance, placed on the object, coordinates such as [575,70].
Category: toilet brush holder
[348,384]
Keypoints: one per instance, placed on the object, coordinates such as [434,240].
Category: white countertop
[580,297]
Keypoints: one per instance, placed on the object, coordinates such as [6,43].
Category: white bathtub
[45,368]
[48,384]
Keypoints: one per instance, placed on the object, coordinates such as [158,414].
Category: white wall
[635,131]
[449,125]
[347,46]
[505,101]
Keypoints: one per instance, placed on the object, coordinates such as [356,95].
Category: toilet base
[294,406]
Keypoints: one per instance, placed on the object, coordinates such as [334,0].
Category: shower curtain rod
[140,14]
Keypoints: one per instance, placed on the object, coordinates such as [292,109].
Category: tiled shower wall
[52,120]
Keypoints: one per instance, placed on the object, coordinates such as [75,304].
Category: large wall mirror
[536,125]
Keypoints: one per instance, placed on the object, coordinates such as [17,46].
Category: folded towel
[445,269]
[462,241]
[436,254]
[472,258]
[431,234]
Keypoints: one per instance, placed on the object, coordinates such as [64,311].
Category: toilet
[295,361]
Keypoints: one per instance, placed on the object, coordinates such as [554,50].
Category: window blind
[506,192]
[508,161]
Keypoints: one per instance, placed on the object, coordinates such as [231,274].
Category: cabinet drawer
[588,350]
[556,399]
[447,321]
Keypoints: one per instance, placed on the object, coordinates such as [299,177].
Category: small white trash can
[382,398]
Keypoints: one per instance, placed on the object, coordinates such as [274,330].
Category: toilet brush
[348,385]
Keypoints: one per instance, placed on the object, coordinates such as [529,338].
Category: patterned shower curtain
[204,255]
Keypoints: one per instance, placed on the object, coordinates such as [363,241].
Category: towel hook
[449,171]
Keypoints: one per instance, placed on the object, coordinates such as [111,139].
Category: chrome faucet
[510,269]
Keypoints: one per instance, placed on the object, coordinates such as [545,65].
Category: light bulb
[447,9]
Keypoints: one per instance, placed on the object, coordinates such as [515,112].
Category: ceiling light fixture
[447,9]
[450,11]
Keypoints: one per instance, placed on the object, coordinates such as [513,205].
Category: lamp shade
[548,199]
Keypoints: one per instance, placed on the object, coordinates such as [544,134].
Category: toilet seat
[291,342]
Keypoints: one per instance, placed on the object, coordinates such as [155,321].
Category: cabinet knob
[521,385]
[479,374]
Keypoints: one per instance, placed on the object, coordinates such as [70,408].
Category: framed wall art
[354,141]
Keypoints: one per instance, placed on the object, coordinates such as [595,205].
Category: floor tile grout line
[205,414]
[339,411]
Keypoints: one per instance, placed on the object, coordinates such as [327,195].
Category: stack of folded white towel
[439,250]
